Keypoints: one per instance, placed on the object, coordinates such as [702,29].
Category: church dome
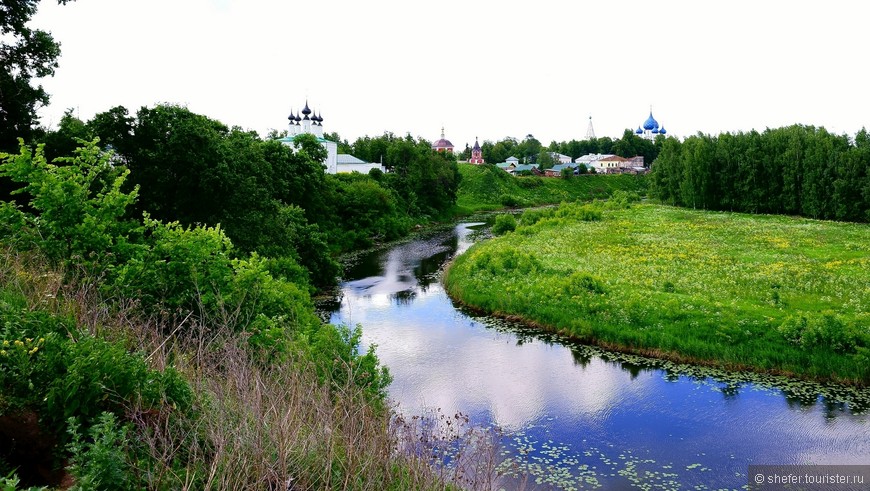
[650,123]
[443,143]
[638,131]
[662,130]
[476,145]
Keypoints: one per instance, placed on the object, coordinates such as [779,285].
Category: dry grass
[257,426]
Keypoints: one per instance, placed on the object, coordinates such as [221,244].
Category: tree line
[267,197]
[531,151]
[796,170]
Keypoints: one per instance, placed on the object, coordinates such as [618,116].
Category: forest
[266,197]
[796,170]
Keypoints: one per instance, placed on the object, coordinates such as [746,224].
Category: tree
[545,160]
[25,54]
[63,141]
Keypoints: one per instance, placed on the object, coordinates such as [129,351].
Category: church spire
[590,132]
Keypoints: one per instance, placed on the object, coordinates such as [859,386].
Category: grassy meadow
[486,187]
[767,293]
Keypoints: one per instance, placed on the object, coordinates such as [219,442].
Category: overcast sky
[479,68]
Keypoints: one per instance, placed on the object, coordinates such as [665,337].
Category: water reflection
[619,409]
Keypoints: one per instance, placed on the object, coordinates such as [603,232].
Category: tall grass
[768,293]
[251,425]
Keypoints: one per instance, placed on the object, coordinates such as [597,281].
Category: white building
[560,158]
[589,158]
[604,163]
[348,163]
[312,125]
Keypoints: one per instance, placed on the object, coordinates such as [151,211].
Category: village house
[560,158]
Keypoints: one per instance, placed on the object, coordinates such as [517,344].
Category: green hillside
[486,187]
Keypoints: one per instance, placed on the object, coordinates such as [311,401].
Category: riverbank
[765,293]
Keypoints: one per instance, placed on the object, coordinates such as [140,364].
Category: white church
[311,123]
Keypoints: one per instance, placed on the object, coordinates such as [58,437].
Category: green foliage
[512,201]
[182,269]
[488,187]
[28,54]
[372,209]
[796,170]
[561,215]
[336,350]
[545,160]
[11,482]
[94,376]
[826,330]
[84,388]
[765,292]
[424,182]
[511,262]
[623,199]
[82,208]
[99,458]
[627,146]
[582,283]
[503,224]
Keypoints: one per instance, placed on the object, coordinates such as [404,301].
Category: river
[577,417]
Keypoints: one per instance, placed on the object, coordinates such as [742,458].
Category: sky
[478,68]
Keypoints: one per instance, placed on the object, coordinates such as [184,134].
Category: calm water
[580,416]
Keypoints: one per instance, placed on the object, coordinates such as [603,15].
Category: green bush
[512,201]
[530,182]
[99,458]
[503,224]
[622,199]
[82,212]
[825,330]
[533,216]
[581,283]
[507,261]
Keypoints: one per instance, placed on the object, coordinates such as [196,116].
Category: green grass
[767,293]
[487,188]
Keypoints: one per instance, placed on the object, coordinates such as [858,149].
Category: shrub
[531,217]
[621,199]
[822,330]
[581,283]
[508,261]
[99,459]
[82,210]
[503,224]
[577,211]
[530,182]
